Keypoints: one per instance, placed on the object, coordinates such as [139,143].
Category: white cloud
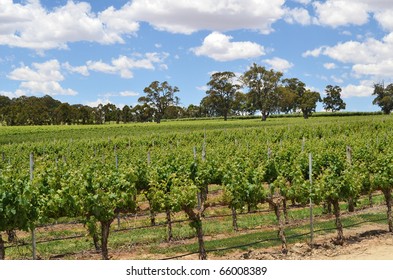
[82,70]
[363,89]
[9,94]
[368,58]
[381,69]
[42,78]
[124,64]
[329,66]
[385,19]
[185,16]
[98,102]
[336,13]
[314,53]
[279,64]
[129,93]
[30,25]
[219,47]
[298,15]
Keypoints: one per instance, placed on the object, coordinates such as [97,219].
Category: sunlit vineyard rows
[95,174]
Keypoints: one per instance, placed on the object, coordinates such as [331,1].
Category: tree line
[258,90]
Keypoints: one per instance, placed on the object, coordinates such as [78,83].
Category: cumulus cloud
[124,64]
[184,16]
[385,19]
[373,57]
[279,64]
[336,13]
[220,47]
[381,69]
[298,15]
[82,70]
[314,53]
[42,78]
[363,89]
[30,25]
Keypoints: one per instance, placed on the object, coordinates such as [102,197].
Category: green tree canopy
[332,101]
[383,97]
[160,96]
[262,85]
[222,90]
[305,100]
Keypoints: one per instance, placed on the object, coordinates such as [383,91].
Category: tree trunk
[152,214]
[11,235]
[199,230]
[339,226]
[281,233]
[351,205]
[169,222]
[305,115]
[197,224]
[264,117]
[370,199]
[96,241]
[105,226]
[2,248]
[388,199]
[92,229]
[285,209]
[234,219]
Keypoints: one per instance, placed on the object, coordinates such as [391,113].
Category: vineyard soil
[368,242]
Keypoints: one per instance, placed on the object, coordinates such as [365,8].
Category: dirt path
[364,243]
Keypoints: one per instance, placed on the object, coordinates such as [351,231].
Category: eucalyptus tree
[305,99]
[333,101]
[262,87]
[383,97]
[223,88]
[160,96]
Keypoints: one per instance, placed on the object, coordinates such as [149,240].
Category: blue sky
[91,52]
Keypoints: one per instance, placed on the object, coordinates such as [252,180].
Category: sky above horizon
[91,52]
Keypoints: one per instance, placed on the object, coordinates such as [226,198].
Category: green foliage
[159,96]
[222,91]
[383,97]
[252,160]
[19,201]
[241,188]
[332,101]
[262,85]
